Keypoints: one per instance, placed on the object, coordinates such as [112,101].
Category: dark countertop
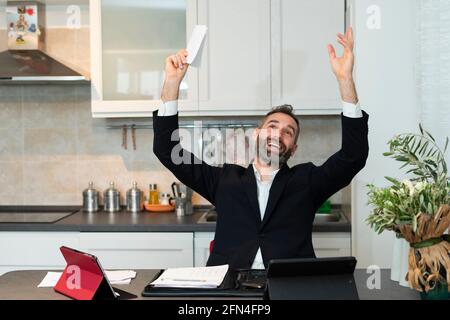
[22,285]
[139,222]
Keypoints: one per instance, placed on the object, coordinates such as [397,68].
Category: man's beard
[265,155]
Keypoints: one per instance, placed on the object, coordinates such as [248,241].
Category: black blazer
[295,195]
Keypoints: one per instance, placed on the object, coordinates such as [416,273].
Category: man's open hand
[343,66]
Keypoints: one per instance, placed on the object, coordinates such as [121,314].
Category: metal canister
[112,199]
[135,199]
[90,199]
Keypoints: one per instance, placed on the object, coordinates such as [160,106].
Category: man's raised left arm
[338,171]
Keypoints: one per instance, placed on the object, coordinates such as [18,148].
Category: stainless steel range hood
[25,61]
[34,66]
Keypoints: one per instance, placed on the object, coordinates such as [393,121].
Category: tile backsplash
[71,47]
[51,147]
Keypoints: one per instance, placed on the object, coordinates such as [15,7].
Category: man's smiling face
[277,138]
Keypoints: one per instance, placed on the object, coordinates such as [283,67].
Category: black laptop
[312,279]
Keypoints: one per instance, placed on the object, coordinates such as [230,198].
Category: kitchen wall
[51,147]
[3,40]
[71,47]
[67,34]
[385,74]
[3,33]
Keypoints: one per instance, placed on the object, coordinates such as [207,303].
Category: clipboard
[84,278]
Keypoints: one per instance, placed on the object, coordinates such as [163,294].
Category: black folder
[233,285]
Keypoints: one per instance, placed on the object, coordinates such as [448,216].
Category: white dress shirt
[350,110]
[263,191]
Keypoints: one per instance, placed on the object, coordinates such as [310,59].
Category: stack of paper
[114,277]
[204,277]
[120,276]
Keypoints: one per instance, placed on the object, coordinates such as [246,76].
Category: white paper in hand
[195,42]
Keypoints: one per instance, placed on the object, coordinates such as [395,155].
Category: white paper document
[195,42]
[50,280]
[120,276]
[204,277]
[115,278]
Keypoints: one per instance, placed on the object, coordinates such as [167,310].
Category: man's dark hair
[286,109]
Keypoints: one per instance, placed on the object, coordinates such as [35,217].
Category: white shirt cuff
[352,110]
[170,108]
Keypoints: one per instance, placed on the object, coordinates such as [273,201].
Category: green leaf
[423,149]
[393,181]
[418,146]
[402,158]
[430,136]
[430,208]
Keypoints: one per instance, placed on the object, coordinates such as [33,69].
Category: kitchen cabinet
[326,244]
[130,41]
[332,244]
[40,250]
[34,250]
[130,250]
[301,72]
[257,54]
[234,71]
[156,250]
[202,242]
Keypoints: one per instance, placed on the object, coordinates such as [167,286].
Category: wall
[51,147]
[66,44]
[3,33]
[385,79]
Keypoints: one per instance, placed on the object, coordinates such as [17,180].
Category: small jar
[134,199]
[153,197]
[112,199]
[90,199]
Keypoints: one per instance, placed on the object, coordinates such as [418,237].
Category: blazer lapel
[278,185]
[250,187]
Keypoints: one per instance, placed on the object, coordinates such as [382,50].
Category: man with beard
[266,211]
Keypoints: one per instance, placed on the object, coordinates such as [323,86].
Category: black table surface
[22,285]
[124,221]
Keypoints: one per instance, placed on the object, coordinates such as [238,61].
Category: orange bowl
[159,207]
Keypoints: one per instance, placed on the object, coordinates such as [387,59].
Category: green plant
[417,209]
[429,188]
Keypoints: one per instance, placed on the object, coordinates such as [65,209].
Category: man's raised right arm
[190,170]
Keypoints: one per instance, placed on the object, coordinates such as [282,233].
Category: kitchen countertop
[22,285]
[139,222]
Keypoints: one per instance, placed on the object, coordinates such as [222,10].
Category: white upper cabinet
[301,72]
[234,70]
[130,41]
[257,54]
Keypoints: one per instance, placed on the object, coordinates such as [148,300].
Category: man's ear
[256,133]
[294,149]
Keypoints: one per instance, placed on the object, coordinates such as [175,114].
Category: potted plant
[418,210]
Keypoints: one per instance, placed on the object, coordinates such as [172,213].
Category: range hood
[34,66]
[25,60]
